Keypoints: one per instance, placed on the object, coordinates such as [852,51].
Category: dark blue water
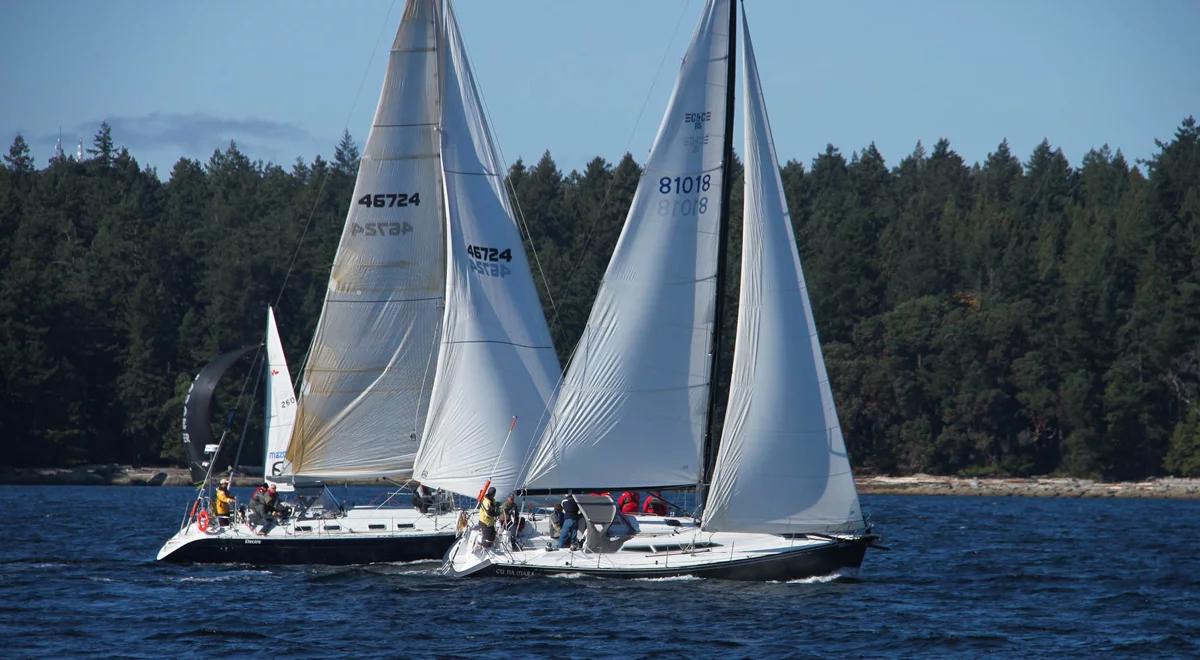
[966,576]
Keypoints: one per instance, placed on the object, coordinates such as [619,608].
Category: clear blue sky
[284,78]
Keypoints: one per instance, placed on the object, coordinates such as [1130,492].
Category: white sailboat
[431,342]
[781,501]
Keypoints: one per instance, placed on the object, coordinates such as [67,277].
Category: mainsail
[370,367]
[281,409]
[632,405]
[497,361]
[782,465]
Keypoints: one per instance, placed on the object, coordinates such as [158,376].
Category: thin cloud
[195,132]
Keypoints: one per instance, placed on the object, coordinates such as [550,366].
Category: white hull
[660,550]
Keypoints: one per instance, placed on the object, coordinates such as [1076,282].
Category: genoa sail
[497,361]
[782,465]
[368,375]
[281,409]
[632,406]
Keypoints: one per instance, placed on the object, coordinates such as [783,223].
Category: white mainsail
[631,408]
[370,368]
[497,361]
[782,465]
[281,409]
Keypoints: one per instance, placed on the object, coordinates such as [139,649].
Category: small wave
[232,633]
[567,576]
[820,579]
[212,578]
[670,578]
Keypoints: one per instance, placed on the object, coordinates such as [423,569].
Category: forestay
[782,465]
[631,408]
[497,361]
[281,409]
[370,367]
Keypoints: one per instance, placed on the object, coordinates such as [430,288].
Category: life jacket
[487,512]
[654,506]
[224,499]
[628,502]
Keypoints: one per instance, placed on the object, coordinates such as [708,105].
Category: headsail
[632,404]
[497,360]
[281,409]
[782,465]
[370,368]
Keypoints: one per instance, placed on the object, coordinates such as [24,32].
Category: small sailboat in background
[431,343]
[636,403]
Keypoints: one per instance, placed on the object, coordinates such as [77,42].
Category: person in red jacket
[654,504]
[628,502]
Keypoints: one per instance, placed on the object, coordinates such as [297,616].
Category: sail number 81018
[684,185]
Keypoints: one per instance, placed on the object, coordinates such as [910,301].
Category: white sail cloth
[281,410]
[782,465]
[631,408]
[370,368]
[497,361]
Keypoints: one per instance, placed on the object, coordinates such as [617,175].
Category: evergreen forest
[1018,316]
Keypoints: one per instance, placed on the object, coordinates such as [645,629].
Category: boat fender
[202,521]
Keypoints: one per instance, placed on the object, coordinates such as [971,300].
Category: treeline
[1006,317]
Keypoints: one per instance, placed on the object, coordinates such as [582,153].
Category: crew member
[225,503]
[510,517]
[487,518]
[628,502]
[571,517]
[654,504]
[422,498]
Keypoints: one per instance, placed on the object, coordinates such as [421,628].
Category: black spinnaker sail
[197,410]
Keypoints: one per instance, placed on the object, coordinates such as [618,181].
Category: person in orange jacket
[654,504]
[628,502]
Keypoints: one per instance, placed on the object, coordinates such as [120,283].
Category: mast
[710,443]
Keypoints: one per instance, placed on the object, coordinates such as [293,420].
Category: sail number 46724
[485,260]
[389,200]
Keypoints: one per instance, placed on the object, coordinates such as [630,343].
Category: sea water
[965,576]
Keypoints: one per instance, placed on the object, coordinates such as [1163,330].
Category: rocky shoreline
[925,484]
[918,484]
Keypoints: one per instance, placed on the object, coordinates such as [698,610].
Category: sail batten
[782,465]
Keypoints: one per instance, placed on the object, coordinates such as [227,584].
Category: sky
[584,79]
